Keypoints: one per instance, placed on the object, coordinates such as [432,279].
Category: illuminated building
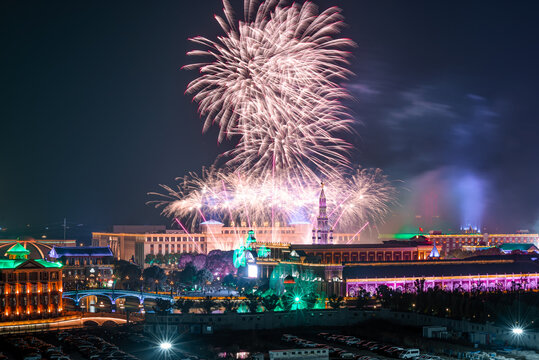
[29,288]
[213,236]
[39,248]
[495,272]
[135,246]
[523,248]
[449,242]
[387,251]
[89,266]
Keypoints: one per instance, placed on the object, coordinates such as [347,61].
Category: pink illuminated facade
[501,273]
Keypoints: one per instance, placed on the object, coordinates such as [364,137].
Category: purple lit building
[89,266]
[485,272]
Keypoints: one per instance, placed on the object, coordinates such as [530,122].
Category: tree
[252,302]
[184,259]
[154,273]
[286,301]
[229,281]
[270,302]
[127,274]
[335,301]
[220,262]
[188,274]
[149,259]
[229,304]
[207,305]
[419,285]
[204,276]
[160,258]
[384,293]
[162,306]
[362,298]
[184,305]
[199,261]
[310,300]
[169,258]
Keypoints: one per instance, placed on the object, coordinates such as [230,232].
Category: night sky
[94,116]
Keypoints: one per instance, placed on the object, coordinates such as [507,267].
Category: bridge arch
[90,323]
[102,321]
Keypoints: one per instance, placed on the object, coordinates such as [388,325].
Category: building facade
[299,354]
[387,251]
[213,236]
[448,242]
[29,289]
[134,247]
[497,272]
[84,266]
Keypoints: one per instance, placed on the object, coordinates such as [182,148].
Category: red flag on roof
[420,229]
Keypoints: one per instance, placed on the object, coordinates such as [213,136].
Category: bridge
[113,295]
[63,323]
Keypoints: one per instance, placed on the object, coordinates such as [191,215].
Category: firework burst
[271,84]
[231,196]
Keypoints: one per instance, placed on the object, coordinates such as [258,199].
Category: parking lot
[84,344]
[350,347]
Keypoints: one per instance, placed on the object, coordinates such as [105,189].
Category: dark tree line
[478,304]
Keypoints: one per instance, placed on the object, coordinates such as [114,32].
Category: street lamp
[171,286]
[127,281]
[166,349]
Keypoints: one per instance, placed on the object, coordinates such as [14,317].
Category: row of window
[184,238]
[31,276]
[84,261]
[369,256]
[24,288]
[176,248]
[258,232]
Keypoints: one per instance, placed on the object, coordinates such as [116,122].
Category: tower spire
[321,235]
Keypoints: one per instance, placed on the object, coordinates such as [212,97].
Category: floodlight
[517,330]
[165,345]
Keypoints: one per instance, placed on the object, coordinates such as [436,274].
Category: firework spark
[231,196]
[271,82]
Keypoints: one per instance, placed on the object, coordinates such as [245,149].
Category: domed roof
[36,249]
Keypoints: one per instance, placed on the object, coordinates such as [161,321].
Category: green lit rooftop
[13,264]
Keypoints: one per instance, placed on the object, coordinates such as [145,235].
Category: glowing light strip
[187,232]
[441,278]
[356,234]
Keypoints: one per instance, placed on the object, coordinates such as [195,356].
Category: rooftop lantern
[17,252]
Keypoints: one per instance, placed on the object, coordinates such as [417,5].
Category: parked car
[409,354]
[288,337]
